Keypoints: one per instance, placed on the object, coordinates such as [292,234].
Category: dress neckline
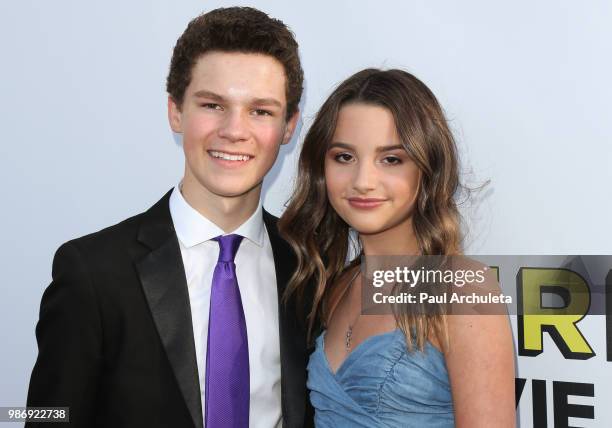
[359,349]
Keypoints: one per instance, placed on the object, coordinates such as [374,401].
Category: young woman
[380,159]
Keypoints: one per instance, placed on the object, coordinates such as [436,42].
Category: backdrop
[524,84]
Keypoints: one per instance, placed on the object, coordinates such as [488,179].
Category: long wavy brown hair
[320,238]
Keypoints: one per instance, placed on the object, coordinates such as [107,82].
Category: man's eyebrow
[267,102]
[379,149]
[207,94]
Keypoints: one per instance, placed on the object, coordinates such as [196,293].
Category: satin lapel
[163,280]
[292,339]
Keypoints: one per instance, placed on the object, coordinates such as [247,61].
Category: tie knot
[228,246]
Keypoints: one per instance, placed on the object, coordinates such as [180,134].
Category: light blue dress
[381,384]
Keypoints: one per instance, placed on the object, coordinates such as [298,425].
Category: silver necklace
[349,332]
[349,336]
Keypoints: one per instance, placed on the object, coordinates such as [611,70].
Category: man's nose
[234,127]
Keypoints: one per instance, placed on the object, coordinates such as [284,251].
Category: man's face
[233,121]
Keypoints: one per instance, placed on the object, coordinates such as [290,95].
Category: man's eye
[212,106]
[392,160]
[261,112]
[343,157]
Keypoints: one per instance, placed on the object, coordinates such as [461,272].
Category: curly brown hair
[236,29]
[317,233]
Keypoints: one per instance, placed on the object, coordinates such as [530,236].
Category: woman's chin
[368,229]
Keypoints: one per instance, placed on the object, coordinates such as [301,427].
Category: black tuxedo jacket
[115,336]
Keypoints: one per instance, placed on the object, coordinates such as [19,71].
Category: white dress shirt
[257,283]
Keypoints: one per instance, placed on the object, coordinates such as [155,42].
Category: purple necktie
[227,352]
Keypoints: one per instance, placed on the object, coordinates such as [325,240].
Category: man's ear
[174,116]
[290,128]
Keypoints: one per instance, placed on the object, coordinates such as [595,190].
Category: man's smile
[229,156]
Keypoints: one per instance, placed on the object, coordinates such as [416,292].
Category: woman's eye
[343,157]
[392,160]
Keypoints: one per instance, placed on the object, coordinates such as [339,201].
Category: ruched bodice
[381,384]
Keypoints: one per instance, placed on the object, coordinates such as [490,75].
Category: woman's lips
[365,203]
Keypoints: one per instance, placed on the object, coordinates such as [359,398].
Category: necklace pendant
[349,334]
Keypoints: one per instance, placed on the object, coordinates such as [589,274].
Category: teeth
[227,156]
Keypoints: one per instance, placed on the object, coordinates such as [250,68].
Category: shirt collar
[192,228]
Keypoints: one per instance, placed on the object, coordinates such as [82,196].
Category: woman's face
[371,181]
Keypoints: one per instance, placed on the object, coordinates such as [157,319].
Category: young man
[174,318]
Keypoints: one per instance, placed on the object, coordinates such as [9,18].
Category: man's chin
[237,191]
